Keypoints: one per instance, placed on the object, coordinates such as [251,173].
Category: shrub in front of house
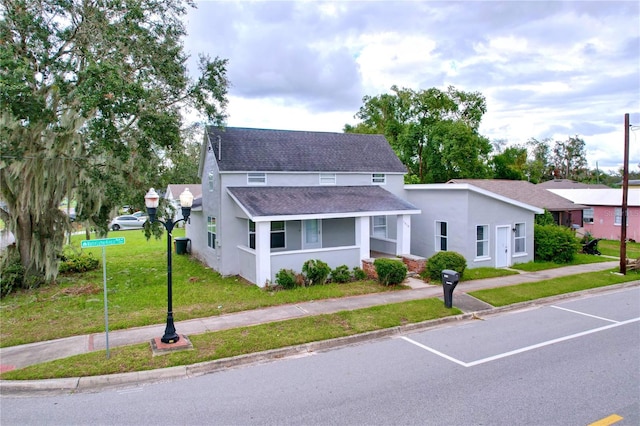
[390,271]
[286,278]
[445,260]
[341,274]
[553,243]
[359,274]
[316,271]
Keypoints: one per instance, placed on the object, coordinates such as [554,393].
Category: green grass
[503,296]
[485,272]
[137,294]
[612,248]
[579,259]
[239,341]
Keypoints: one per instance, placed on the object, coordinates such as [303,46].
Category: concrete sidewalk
[35,353]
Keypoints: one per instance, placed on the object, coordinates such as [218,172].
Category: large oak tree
[91,93]
[433,132]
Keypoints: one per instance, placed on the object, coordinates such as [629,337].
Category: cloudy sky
[546,68]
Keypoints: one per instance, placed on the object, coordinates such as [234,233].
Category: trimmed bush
[445,260]
[553,243]
[545,219]
[341,274]
[316,271]
[72,261]
[390,271]
[359,273]
[286,278]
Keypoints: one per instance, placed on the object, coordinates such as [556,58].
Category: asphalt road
[570,363]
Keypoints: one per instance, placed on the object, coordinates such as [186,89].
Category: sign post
[103,243]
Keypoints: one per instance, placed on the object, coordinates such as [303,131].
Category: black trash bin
[183,245]
[450,280]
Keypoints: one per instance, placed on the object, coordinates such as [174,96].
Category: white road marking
[521,350]
[583,313]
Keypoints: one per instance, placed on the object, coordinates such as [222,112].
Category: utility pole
[625,192]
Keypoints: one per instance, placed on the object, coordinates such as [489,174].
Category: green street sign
[102,242]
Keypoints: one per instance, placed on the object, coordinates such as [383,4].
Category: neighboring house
[569,184]
[173,192]
[273,199]
[564,211]
[488,229]
[603,217]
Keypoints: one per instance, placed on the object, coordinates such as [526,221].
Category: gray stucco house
[273,199]
[488,229]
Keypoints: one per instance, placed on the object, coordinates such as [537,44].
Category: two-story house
[273,199]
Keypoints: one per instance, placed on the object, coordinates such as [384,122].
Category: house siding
[603,225]
[464,210]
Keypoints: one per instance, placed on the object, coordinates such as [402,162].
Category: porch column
[362,237]
[263,253]
[403,232]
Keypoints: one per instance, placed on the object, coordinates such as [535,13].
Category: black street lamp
[151,201]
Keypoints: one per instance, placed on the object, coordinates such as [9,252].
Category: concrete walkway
[35,353]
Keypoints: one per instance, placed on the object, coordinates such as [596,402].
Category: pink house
[603,218]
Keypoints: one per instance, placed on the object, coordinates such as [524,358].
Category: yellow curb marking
[614,418]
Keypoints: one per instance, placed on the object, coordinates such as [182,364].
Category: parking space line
[583,313]
[607,421]
[521,350]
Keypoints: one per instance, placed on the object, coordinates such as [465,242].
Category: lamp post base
[170,335]
[170,338]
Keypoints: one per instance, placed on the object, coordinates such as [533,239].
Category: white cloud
[547,68]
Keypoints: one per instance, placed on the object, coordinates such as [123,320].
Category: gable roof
[243,149]
[295,202]
[525,192]
[468,187]
[569,184]
[600,197]
[176,189]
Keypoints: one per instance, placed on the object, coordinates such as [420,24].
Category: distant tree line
[435,134]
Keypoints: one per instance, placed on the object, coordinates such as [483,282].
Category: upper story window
[441,236]
[256,178]
[327,178]
[378,179]
[210,180]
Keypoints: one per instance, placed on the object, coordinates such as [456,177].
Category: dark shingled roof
[285,150]
[525,192]
[303,200]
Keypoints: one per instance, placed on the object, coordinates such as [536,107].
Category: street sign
[102,242]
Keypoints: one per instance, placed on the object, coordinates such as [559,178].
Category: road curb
[121,380]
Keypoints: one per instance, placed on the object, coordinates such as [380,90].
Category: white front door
[502,246]
[312,234]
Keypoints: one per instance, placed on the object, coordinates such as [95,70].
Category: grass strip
[239,341]
[579,259]
[503,296]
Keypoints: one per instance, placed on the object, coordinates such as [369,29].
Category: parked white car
[127,222]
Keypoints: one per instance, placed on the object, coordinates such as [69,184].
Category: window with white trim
[327,178]
[617,216]
[278,234]
[211,232]
[587,215]
[378,179]
[211,181]
[520,238]
[379,226]
[441,236]
[482,241]
[256,178]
